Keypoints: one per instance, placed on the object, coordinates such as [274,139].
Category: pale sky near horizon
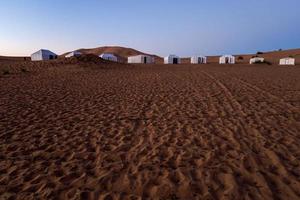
[182,27]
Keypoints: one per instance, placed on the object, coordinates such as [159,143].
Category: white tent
[172,59]
[287,61]
[109,56]
[145,59]
[43,54]
[257,60]
[73,54]
[198,60]
[227,59]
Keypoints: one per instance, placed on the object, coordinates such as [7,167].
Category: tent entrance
[175,60]
[226,60]
[145,60]
[51,57]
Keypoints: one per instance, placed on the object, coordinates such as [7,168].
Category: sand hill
[121,52]
[17,66]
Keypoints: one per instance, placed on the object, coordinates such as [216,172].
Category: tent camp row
[45,54]
[171,59]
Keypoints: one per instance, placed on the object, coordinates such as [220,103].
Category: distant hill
[14,58]
[121,52]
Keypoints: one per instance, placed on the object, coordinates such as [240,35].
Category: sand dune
[107,131]
[121,52]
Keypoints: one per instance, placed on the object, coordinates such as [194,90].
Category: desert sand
[114,131]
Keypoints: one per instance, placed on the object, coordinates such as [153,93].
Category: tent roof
[287,58]
[257,58]
[45,51]
[198,56]
[139,56]
[107,54]
[172,55]
[75,52]
[227,56]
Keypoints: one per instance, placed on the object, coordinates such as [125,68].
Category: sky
[182,27]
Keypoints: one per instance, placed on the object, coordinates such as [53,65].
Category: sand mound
[89,61]
[121,52]
[84,59]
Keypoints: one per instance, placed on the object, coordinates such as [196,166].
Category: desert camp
[149,100]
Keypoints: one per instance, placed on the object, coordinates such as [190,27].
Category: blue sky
[182,27]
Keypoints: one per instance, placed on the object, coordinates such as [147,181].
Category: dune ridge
[121,52]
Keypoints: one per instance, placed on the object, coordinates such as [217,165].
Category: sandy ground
[150,132]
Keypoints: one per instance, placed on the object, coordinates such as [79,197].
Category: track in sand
[150,132]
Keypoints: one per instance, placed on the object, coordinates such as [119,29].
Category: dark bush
[268,62]
[24,70]
[259,62]
[5,71]
[259,52]
[262,62]
[240,58]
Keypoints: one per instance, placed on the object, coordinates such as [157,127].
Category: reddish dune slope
[121,52]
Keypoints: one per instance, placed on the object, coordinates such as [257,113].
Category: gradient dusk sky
[183,27]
